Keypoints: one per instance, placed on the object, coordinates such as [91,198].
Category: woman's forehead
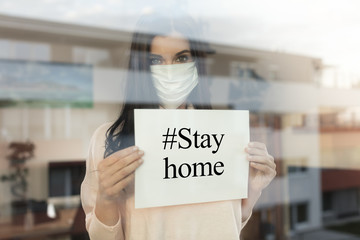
[168,44]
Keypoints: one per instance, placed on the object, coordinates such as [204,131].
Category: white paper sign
[191,156]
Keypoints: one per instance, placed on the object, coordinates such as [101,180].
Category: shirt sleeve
[89,189]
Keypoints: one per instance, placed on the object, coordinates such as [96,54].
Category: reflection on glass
[305,109]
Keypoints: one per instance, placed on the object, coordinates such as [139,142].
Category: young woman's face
[171,49]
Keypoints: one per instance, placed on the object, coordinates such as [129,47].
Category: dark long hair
[140,92]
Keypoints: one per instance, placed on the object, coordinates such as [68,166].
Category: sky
[327,29]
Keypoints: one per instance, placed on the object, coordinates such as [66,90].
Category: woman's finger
[267,156]
[258,145]
[116,170]
[113,158]
[123,183]
[106,163]
[256,151]
[123,162]
[262,160]
[126,171]
[263,168]
[111,186]
[114,191]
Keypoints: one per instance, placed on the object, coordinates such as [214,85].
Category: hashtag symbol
[167,136]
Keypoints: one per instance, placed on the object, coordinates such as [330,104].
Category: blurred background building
[312,130]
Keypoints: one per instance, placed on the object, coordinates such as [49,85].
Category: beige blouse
[214,220]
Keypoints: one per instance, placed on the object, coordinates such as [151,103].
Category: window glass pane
[327,199]
[302,213]
[72,73]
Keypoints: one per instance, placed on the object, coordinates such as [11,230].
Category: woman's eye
[183,59]
[155,61]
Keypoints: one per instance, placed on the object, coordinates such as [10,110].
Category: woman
[163,48]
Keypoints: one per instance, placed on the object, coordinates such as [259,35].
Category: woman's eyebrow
[155,55]
[181,52]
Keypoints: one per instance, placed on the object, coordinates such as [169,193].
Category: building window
[296,166]
[273,72]
[93,56]
[327,201]
[299,215]
[23,50]
[245,71]
[297,169]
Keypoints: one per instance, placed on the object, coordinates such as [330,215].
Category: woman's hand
[262,171]
[117,171]
[262,166]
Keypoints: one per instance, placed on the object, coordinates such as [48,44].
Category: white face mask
[174,82]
